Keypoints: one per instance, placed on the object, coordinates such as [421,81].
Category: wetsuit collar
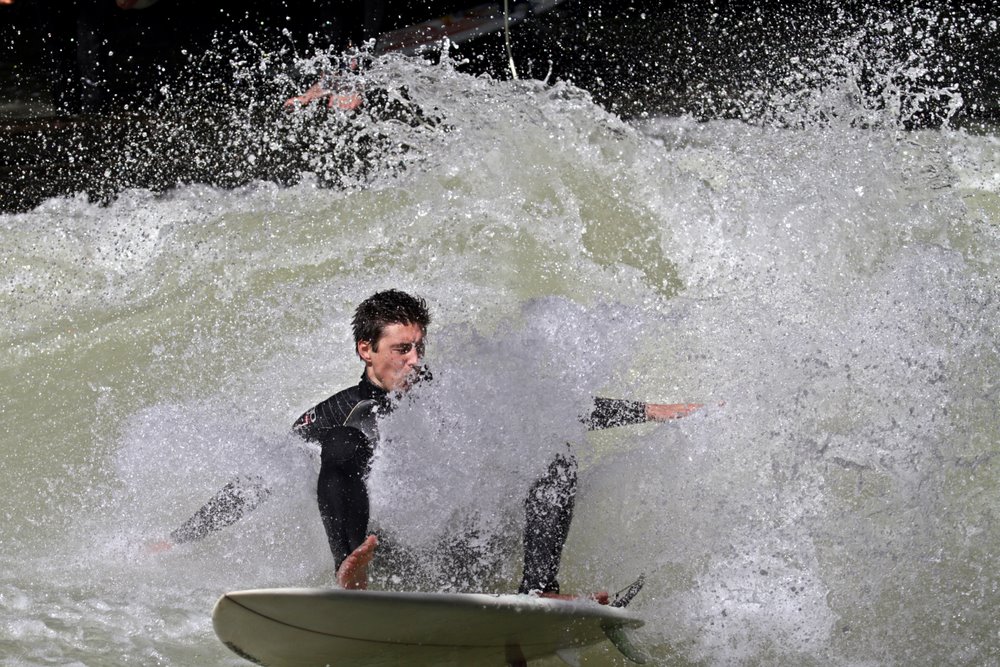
[371,390]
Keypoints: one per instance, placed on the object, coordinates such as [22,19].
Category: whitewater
[829,287]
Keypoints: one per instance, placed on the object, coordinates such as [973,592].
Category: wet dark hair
[381,309]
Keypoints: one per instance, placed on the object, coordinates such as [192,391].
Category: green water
[830,291]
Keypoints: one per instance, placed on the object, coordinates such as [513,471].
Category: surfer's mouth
[419,375]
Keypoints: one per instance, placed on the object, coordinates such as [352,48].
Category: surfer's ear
[365,349]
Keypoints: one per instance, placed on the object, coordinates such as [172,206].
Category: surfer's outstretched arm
[345,100]
[610,412]
[233,501]
[666,411]
[341,89]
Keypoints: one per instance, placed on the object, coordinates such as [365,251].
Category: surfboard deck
[310,626]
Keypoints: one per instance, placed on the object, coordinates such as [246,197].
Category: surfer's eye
[404,348]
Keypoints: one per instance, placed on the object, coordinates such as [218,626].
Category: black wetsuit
[344,428]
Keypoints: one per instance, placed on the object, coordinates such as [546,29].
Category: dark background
[635,57]
[95,99]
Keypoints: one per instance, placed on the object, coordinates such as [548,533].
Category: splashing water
[834,286]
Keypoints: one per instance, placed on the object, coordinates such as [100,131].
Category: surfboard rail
[310,626]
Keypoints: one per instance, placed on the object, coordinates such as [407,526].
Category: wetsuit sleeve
[235,500]
[245,494]
[341,491]
[610,412]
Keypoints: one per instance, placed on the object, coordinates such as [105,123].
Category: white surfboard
[309,626]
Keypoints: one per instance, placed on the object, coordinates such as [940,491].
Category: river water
[829,287]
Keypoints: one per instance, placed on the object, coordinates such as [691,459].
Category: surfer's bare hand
[159,546]
[315,92]
[661,412]
[353,572]
[345,101]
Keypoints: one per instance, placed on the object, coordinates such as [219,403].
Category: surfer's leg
[548,513]
[342,493]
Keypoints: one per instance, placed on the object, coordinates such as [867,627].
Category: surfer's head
[389,331]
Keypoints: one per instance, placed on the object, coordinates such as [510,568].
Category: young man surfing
[389,329]
[389,332]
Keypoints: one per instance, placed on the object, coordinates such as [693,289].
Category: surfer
[389,332]
[389,335]
[343,89]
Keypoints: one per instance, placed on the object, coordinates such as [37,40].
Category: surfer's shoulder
[329,412]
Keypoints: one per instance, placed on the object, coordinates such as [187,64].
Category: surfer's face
[392,361]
